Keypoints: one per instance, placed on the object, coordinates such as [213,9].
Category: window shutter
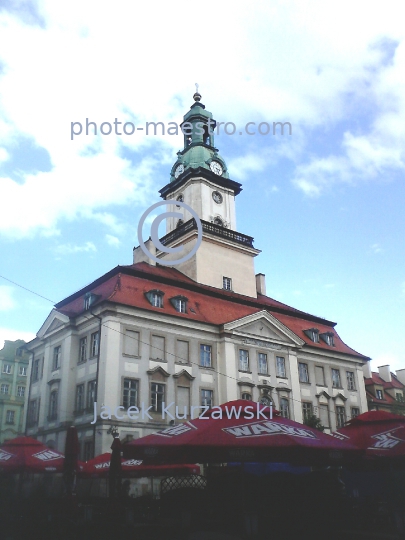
[319,376]
[158,347]
[182,351]
[324,415]
[183,399]
[131,343]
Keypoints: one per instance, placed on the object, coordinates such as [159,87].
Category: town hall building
[198,333]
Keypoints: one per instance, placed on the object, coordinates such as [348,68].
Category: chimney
[261,284]
[140,256]
[367,370]
[385,373]
[400,373]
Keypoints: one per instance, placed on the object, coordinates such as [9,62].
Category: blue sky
[325,205]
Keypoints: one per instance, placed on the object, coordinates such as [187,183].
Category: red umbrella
[132,468]
[240,431]
[379,433]
[24,454]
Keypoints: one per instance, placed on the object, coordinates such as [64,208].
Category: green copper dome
[199,150]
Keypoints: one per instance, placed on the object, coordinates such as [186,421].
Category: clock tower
[200,179]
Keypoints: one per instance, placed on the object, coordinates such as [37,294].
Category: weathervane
[197,95]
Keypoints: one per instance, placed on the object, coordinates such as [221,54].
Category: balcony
[210,228]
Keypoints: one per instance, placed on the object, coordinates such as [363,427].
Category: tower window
[206,136]
[227,283]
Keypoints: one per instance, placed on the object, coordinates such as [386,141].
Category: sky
[324,204]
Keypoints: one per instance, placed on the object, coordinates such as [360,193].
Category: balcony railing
[210,228]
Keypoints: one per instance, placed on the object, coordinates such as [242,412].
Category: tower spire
[197,95]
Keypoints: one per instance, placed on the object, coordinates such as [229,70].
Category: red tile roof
[127,285]
[376,379]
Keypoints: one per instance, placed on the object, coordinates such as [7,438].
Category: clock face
[179,170]
[217,197]
[216,168]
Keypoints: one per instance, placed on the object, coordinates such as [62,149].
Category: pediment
[54,321]
[263,326]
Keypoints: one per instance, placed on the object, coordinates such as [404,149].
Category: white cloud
[68,249]
[376,248]
[112,240]
[71,72]
[7,301]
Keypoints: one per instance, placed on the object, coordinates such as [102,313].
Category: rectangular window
[399,396]
[336,378]
[130,393]
[157,396]
[7,369]
[303,372]
[57,353]
[158,348]
[53,405]
[35,370]
[88,450]
[262,363]
[324,415]
[83,350]
[20,391]
[243,360]
[284,408]
[319,376]
[379,394]
[183,400]
[131,343]
[340,416]
[10,417]
[33,412]
[91,395]
[182,351]
[207,398]
[206,355]
[280,366]
[227,283]
[351,385]
[94,344]
[306,410]
[4,388]
[355,411]
[22,371]
[79,398]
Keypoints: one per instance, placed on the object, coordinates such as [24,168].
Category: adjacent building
[385,390]
[198,333]
[13,386]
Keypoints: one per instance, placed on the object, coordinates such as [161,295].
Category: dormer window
[328,337]
[89,300]
[313,334]
[155,298]
[379,394]
[179,303]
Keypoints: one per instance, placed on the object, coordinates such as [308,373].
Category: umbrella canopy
[240,431]
[24,454]
[379,433]
[132,468]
